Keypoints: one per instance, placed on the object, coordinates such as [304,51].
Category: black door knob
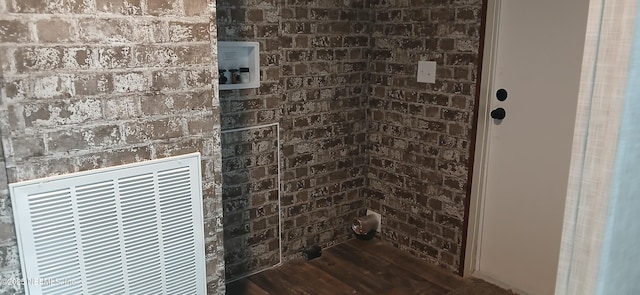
[498,113]
[501,94]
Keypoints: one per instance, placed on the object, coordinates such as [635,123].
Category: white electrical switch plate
[426,71]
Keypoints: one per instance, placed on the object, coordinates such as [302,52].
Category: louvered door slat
[133,229]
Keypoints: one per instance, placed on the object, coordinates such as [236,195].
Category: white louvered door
[133,229]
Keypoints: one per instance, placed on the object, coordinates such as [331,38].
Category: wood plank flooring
[354,267]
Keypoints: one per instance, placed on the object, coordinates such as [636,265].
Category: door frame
[479,153]
[597,125]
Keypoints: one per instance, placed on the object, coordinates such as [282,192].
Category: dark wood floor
[354,267]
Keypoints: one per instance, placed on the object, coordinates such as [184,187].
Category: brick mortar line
[105,96]
[362,130]
[375,169]
[148,93]
[244,197]
[341,73]
[292,142]
[285,50]
[434,119]
[13,16]
[454,36]
[98,149]
[76,154]
[414,129]
[323,7]
[328,35]
[249,169]
[327,173]
[103,45]
[423,144]
[412,75]
[437,197]
[419,92]
[70,72]
[324,185]
[42,130]
[442,174]
[98,70]
[311,189]
[429,22]
[443,187]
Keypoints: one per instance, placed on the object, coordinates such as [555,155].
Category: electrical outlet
[378,218]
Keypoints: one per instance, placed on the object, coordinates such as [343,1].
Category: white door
[537,60]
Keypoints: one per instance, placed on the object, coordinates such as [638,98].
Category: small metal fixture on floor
[364,227]
[312,252]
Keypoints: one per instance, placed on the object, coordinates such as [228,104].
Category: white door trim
[483,132]
[476,204]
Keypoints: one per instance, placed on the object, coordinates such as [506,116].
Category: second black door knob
[498,113]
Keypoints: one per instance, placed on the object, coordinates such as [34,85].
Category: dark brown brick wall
[324,51]
[358,131]
[419,133]
[252,241]
[91,84]
[250,197]
[314,83]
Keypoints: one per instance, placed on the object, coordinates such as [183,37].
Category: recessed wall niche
[238,65]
